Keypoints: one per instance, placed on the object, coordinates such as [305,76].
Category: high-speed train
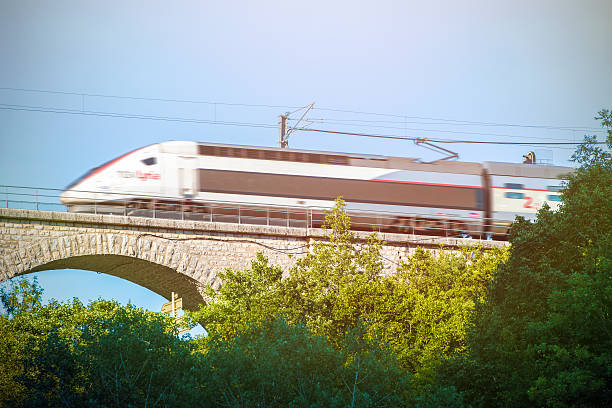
[219,182]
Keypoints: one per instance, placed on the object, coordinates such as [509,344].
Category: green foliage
[371,374]
[424,310]
[421,312]
[102,354]
[544,336]
[589,155]
[276,364]
[438,397]
[326,291]
[272,364]
[245,296]
[333,286]
[20,296]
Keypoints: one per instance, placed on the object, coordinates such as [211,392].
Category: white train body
[488,195]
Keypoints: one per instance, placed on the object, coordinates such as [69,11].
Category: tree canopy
[421,312]
[102,354]
[543,337]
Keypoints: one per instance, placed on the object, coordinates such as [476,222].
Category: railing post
[183,210]
[211,213]
[268,216]
[36,199]
[287,217]
[238,215]
[154,208]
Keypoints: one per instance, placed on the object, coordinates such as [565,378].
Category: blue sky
[425,70]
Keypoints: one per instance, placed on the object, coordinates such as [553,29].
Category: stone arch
[159,265]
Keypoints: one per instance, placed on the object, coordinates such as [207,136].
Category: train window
[514,195]
[271,155]
[238,152]
[552,197]
[515,186]
[314,158]
[206,150]
[337,160]
[253,154]
[149,161]
[554,188]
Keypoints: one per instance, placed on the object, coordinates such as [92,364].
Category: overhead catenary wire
[460,121]
[323,121]
[280,106]
[29,108]
[553,145]
[143,98]
[435,140]
[449,122]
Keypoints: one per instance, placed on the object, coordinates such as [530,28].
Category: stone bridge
[165,255]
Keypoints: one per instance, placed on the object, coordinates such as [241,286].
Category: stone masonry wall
[164,255]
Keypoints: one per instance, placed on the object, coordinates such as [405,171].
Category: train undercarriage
[295,217]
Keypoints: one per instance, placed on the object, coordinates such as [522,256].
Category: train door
[187,180]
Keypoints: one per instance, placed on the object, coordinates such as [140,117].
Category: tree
[18,299]
[272,364]
[334,286]
[102,354]
[277,364]
[323,291]
[421,312]
[424,310]
[544,335]
[245,296]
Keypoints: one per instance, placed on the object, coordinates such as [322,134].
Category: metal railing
[151,206]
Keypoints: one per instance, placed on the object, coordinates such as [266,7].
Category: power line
[415,139]
[323,121]
[191,101]
[457,121]
[28,108]
[445,122]
[142,98]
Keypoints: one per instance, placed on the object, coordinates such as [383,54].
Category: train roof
[338,158]
[363,160]
[526,170]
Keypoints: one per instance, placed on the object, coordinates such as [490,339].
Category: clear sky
[424,69]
